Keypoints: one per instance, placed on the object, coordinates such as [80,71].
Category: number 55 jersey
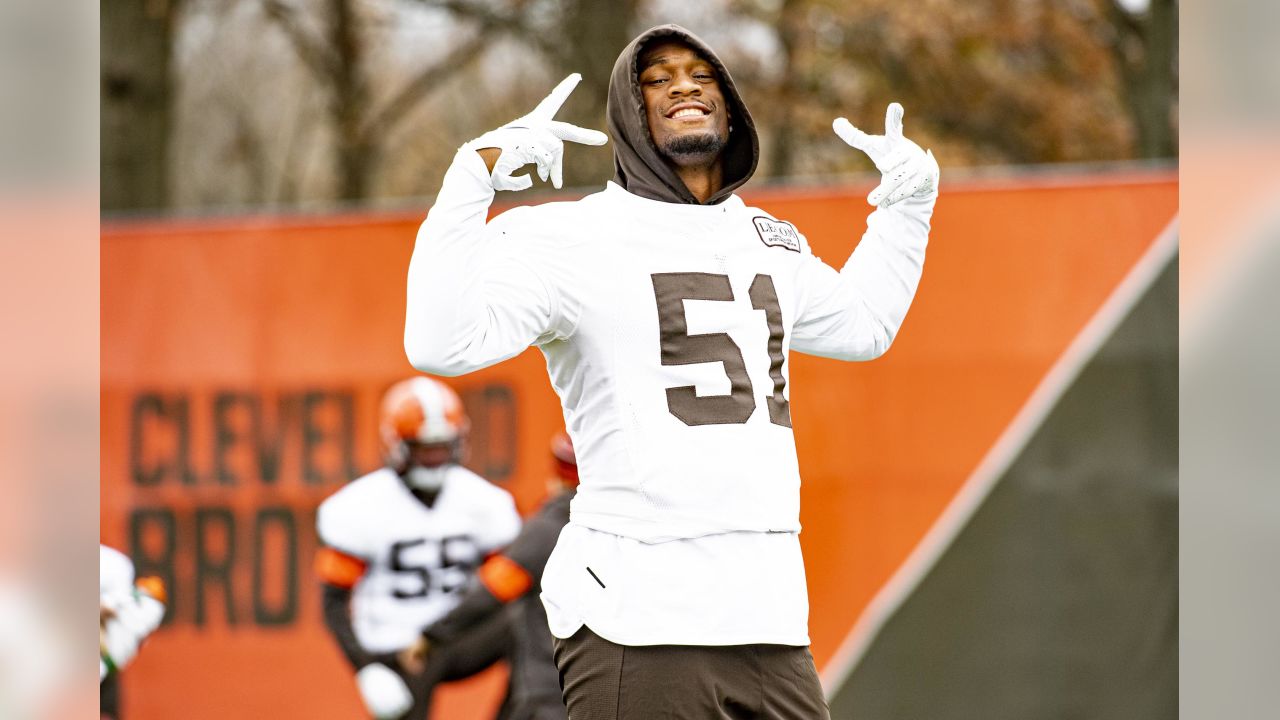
[415,558]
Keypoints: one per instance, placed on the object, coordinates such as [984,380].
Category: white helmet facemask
[427,478]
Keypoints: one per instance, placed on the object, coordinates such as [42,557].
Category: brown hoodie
[638,165]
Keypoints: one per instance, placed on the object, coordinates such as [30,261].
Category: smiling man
[665,308]
[690,125]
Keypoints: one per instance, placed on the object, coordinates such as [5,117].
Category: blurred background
[219,105]
[990,511]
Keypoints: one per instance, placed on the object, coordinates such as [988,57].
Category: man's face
[428,465]
[430,455]
[686,110]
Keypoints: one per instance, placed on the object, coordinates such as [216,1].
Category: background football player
[399,545]
[128,612]
[510,582]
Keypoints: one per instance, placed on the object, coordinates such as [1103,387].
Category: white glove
[384,692]
[536,138]
[905,169]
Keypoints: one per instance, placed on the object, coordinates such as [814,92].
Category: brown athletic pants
[605,681]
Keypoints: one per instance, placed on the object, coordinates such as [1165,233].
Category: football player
[128,612]
[665,308]
[510,582]
[400,543]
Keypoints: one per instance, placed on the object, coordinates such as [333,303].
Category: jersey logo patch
[777,233]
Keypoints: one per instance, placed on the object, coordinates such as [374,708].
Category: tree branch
[422,85]
[315,56]
[488,18]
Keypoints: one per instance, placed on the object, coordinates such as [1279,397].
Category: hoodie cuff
[467,185]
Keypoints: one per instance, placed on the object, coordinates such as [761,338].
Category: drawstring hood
[639,166]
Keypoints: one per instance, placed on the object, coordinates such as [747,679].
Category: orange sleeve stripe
[505,578]
[338,568]
[154,587]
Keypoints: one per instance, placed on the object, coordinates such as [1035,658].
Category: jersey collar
[620,194]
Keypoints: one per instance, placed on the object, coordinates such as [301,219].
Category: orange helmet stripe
[406,417]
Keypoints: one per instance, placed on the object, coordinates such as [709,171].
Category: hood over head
[638,165]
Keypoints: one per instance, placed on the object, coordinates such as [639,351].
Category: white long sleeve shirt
[665,328]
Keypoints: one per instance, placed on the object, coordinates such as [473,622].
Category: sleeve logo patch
[777,233]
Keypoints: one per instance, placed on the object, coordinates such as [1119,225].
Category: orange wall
[242,361]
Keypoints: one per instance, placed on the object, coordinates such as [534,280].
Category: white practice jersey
[418,557]
[666,329]
[115,573]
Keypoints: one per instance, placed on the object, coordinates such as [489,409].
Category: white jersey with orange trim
[416,557]
[666,329]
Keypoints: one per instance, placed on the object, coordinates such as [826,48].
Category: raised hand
[905,169]
[536,138]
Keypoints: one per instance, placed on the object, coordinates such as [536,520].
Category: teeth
[687,112]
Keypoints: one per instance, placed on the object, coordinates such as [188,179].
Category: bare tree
[337,58]
[365,99]
[1144,43]
[137,37]
[597,33]
[784,85]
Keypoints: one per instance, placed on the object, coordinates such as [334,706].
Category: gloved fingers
[551,104]
[557,170]
[905,166]
[894,161]
[893,122]
[876,147]
[573,133]
[852,135]
[544,152]
[907,189]
[550,156]
[504,177]
[891,181]
[917,178]
[923,181]
[512,182]
[876,197]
